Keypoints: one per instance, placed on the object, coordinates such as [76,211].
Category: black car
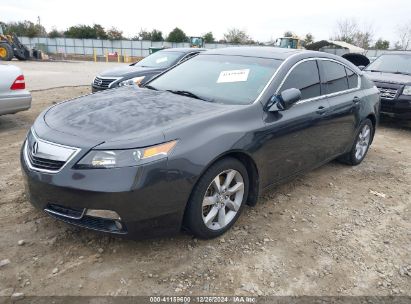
[391,72]
[141,72]
[198,142]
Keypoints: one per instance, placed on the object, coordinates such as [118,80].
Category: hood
[389,77]
[128,114]
[129,71]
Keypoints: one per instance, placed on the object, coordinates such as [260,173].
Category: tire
[6,51]
[229,201]
[22,54]
[362,141]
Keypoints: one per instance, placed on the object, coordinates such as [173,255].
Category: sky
[262,20]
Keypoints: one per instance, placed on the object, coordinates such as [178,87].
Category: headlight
[102,159]
[407,90]
[132,81]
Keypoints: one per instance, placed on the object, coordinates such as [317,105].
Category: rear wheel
[361,144]
[217,199]
[6,51]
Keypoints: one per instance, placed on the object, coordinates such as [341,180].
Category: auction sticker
[162,59]
[233,76]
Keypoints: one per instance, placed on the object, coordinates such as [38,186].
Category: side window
[352,79]
[306,78]
[335,78]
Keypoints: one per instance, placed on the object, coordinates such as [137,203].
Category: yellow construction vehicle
[293,42]
[10,46]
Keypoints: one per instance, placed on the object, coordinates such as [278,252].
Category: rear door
[341,85]
[297,136]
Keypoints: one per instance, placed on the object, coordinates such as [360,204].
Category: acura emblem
[35,148]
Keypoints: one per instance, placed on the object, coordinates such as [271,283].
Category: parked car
[198,142]
[141,72]
[13,94]
[391,72]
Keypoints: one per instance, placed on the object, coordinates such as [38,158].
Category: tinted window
[335,77]
[304,77]
[352,79]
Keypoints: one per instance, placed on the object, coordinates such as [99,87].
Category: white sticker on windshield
[162,59]
[233,76]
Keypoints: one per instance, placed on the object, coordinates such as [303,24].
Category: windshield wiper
[188,94]
[150,87]
[398,72]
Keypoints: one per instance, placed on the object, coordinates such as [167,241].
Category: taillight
[18,84]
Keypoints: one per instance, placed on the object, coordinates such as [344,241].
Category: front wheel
[361,144]
[217,199]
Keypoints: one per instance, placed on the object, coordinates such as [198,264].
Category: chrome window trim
[325,95]
[272,77]
[28,163]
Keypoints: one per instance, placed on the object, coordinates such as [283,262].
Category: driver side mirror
[285,100]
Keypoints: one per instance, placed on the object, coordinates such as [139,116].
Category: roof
[184,50]
[255,51]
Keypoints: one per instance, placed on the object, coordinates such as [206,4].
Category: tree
[208,37]
[25,28]
[81,32]
[114,34]
[288,34]
[382,44]
[54,33]
[143,35]
[236,36]
[177,35]
[404,35]
[100,32]
[156,35]
[349,31]
[309,38]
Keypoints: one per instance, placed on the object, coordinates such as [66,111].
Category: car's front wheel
[217,199]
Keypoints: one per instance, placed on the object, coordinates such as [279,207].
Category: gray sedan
[13,94]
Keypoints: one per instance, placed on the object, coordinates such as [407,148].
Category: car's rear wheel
[217,199]
[361,144]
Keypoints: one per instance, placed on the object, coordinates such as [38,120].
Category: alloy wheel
[363,142]
[223,199]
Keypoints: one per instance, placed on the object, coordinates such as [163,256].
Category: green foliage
[54,33]
[309,38]
[82,31]
[177,35]
[209,38]
[24,28]
[381,44]
[156,35]
[288,34]
[236,36]
[114,34]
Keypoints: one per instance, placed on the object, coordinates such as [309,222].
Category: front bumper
[399,107]
[149,200]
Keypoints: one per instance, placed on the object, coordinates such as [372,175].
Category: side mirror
[285,100]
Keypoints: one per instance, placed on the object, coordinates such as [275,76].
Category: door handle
[356,100]
[321,110]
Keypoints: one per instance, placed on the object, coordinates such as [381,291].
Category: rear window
[335,77]
[352,79]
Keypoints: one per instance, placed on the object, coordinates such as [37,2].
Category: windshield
[217,78]
[392,64]
[161,59]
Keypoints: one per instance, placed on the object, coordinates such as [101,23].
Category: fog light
[108,214]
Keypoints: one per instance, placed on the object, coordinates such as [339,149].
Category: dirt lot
[335,231]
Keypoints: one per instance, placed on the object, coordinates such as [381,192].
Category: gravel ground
[338,230]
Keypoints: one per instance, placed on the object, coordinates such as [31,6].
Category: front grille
[77,217]
[388,93]
[41,155]
[103,83]
[42,163]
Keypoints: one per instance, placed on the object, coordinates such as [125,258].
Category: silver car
[13,94]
